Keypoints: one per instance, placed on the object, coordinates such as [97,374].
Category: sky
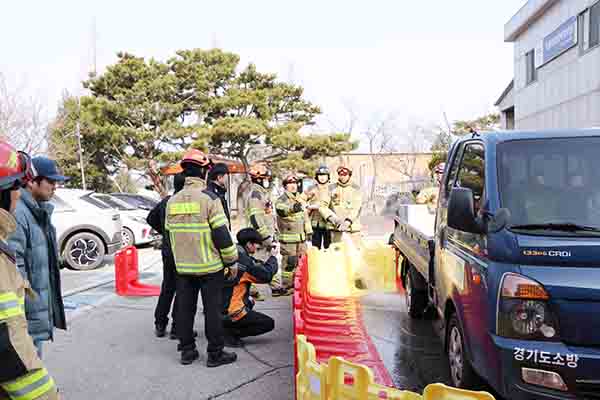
[415,60]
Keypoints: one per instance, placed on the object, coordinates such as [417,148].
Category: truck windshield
[550,184]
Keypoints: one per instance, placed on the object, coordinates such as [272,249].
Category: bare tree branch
[22,120]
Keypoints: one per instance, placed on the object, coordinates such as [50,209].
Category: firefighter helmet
[343,169]
[196,157]
[15,167]
[259,171]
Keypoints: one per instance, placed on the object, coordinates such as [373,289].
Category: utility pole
[78,133]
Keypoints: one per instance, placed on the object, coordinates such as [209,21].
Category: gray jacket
[35,245]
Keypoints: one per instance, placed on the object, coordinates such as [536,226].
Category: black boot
[220,358]
[160,331]
[233,342]
[189,356]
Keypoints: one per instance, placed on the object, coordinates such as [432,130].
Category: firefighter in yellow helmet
[203,252]
[22,374]
[294,228]
[341,209]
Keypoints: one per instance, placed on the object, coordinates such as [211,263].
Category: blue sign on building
[561,40]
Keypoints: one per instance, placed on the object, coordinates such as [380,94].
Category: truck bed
[414,235]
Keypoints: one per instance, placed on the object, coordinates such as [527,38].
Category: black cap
[216,170]
[247,235]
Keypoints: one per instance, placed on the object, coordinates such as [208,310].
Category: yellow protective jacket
[259,212]
[197,226]
[293,226]
[322,195]
[22,374]
[344,202]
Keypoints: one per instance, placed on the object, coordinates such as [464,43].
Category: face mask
[266,183]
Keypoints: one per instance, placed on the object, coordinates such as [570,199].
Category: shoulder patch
[212,195]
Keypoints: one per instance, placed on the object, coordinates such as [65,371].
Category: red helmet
[343,169]
[15,167]
[195,156]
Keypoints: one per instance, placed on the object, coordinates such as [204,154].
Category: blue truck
[510,266]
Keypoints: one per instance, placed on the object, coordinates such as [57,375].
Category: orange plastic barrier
[127,275]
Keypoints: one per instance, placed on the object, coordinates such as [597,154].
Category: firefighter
[202,248]
[341,209]
[293,229]
[22,374]
[259,216]
[240,318]
[321,237]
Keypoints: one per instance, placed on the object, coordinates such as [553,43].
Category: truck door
[462,265]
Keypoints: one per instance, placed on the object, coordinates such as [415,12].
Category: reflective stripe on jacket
[344,201]
[22,374]
[293,226]
[197,225]
[259,211]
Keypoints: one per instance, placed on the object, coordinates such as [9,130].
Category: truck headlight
[524,311]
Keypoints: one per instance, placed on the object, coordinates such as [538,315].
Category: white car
[85,233]
[136,230]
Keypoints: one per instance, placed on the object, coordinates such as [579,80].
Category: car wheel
[84,251]
[416,296]
[127,237]
[461,371]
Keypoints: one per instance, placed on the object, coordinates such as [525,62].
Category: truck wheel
[461,371]
[415,294]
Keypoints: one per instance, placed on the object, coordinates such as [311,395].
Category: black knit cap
[247,235]
[216,170]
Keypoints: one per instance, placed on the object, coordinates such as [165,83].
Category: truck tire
[415,293]
[461,372]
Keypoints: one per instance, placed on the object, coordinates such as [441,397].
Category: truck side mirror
[461,212]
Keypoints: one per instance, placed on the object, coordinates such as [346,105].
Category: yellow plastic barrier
[329,273]
[438,391]
[378,266]
[311,381]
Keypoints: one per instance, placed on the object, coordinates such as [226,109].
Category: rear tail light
[542,378]
[524,311]
[144,232]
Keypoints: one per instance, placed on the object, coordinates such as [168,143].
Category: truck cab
[511,267]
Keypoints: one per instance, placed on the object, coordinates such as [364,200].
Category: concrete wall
[567,91]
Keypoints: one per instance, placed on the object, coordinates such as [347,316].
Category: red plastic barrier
[334,326]
[127,275]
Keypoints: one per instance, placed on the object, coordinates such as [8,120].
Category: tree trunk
[154,174]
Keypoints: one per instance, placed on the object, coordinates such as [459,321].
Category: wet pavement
[410,349]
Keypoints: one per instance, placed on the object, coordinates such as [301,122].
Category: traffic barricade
[311,378]
[127,275]
[438,391]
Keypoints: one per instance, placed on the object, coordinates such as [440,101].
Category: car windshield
[551,183]
[114,203]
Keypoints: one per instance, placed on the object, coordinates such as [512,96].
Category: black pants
[321,238]
[211,288]
[167,294]
[253,324]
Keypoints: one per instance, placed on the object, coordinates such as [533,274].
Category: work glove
[345,226]
[231,272]
[297,207]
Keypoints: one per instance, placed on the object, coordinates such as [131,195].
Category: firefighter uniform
[259,215]
[321,233]
[202,248]
[342,208]
[22,373]
[293,229]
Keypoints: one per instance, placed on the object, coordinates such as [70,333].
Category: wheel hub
[455,356]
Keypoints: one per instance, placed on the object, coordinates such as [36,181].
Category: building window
[531,73]
[590,27]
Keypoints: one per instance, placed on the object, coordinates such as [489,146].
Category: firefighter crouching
[22,374]
[202,248]
[342,207]
[240,319]
[293,229]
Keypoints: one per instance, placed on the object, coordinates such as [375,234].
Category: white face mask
[266,183]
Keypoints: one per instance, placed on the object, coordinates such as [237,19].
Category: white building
[556,66]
